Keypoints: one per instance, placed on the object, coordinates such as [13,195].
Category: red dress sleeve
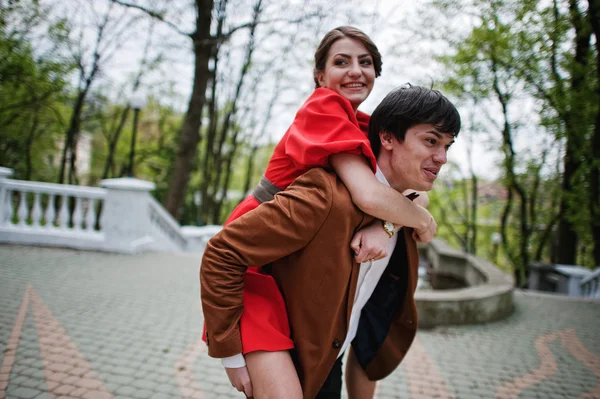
[325,125]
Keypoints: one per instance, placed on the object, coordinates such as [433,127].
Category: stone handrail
[590,285]
[121,216]
[50,206]
[165,223]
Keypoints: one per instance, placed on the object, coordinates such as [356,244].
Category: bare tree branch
[154,14]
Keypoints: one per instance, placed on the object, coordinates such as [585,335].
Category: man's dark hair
[407,106]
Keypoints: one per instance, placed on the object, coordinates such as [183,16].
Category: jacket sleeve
[270,232]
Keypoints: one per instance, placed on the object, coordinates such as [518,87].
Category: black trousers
[332,387]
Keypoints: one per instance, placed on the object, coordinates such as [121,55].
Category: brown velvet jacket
[305,234]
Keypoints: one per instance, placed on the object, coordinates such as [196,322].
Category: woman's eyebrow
[349,56]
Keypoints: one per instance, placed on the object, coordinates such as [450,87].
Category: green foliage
[33,90]
[529,49]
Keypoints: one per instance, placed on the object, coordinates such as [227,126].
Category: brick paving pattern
[96,326]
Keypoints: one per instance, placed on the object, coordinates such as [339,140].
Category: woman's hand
[240,379]
[370,243]
[422,199]
[426,234]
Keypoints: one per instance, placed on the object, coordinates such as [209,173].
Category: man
[304,234]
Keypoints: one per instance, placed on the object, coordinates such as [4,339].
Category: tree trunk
[566,239]
[72,131]
[29,144]
[112,145]
[474,202]
[566,252]
[190,131]
[594,15]
[229,118]
[249,171]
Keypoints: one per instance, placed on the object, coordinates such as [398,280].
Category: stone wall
[488,297]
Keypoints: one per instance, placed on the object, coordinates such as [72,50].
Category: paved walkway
[90,325]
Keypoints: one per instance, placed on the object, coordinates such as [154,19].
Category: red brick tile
[52,385]
[8,361]
[60,367]
[198,395]
[79,371]
[4,377]
[79,392]
[71,380]
[91,374]
[97,395]
[64,390]
[58,377]
[89,383]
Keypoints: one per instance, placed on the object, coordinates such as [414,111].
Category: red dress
[324,125]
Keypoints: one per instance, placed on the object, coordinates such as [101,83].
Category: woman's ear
[320,75]
[386,139]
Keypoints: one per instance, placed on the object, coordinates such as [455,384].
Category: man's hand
[240,379]
[426,234]
[370,243]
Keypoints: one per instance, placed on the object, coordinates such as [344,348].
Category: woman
[328,131]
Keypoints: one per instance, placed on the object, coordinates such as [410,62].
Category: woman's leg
[357,383]
[273,375]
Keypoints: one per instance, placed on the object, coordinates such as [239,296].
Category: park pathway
[98,326]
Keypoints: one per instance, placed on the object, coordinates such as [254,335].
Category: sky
[398,31]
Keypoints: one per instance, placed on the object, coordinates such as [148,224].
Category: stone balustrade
[120,216]
[590,285]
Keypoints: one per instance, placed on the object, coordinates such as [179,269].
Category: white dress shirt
[368,277]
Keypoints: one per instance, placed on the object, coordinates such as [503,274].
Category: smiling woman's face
[349,71]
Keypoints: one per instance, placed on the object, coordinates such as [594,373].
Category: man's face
[416,162]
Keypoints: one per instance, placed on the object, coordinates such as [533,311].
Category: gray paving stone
[145,384]
[142,394]
[127,391]
[122,312]
[25,393]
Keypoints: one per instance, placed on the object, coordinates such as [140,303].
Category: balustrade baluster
[36,211]
[77,214]
[64,213]
[8,210]
[50,212]
[90,216]
[23,208]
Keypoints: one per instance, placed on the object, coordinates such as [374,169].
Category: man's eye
[431,141]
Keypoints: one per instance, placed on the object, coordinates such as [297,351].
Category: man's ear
[386,139]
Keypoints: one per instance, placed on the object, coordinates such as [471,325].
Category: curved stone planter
[488,297]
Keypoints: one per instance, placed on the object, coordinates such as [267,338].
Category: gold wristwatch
[389,228]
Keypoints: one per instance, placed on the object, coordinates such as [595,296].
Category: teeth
[352,85]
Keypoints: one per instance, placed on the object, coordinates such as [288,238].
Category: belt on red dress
[265,190]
